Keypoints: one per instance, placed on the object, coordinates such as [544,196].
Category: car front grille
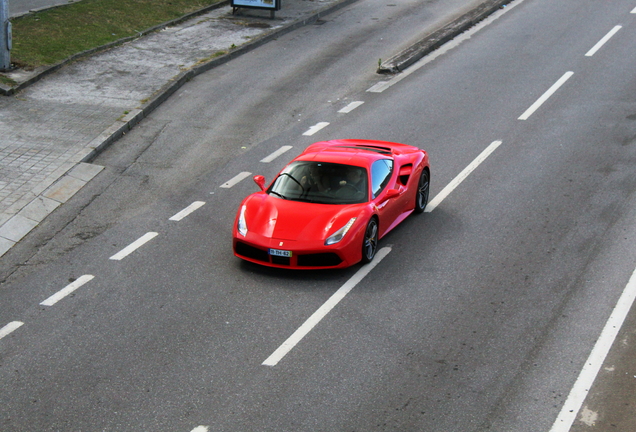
[251,252]
[280,260]
[328,259]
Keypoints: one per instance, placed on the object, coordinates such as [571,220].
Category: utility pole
[5,36]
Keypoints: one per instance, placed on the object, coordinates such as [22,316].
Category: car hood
[281,219]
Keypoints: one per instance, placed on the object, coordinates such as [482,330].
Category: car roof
[354,152]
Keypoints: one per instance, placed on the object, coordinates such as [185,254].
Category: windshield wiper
[294,179]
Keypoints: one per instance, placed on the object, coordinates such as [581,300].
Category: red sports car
[330,205]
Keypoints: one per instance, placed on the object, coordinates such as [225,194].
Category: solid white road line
[315,128]
[462,175]
[234,180]
[302,331]
[67,290]
[277,153]
[12,326]
[380,86]
[383,85]
[350,107]
[602,42]
[201,429]
[546,96]
[633,11]
[186,211]
[594,362]
[134,246]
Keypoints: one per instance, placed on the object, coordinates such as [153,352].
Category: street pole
[5,36]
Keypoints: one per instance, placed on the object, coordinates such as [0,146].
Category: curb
[434,40]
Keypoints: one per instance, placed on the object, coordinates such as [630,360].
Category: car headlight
[242,225]
[339,235]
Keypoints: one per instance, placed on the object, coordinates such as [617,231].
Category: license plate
[282,253]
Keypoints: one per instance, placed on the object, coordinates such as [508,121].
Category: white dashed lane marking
[134,246]
[9,328]
[277,153]
[602,42]
[236,179]
[67,290]
[461,176]
[315,128]
[313,320]
[535,106]
[351,107]
[186,211]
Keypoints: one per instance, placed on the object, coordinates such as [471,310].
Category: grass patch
[48,37]
[7,81]
[207,59]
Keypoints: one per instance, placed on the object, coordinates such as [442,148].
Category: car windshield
[323,183]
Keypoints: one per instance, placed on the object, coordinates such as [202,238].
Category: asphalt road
[480,316]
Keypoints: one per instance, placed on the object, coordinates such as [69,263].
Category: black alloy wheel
[370,242]
[422,192]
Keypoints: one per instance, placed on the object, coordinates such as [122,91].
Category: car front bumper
[304,255]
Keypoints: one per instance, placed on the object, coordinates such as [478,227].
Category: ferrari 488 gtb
[331,204]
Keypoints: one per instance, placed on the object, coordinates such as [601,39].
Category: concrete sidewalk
[54,127]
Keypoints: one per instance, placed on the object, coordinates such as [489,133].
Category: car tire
[421,197]
[370,241]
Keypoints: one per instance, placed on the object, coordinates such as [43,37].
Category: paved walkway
[51,129]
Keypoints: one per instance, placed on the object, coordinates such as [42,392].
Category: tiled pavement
[40,139]
[41,142]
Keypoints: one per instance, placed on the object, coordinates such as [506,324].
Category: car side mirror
[260,181]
